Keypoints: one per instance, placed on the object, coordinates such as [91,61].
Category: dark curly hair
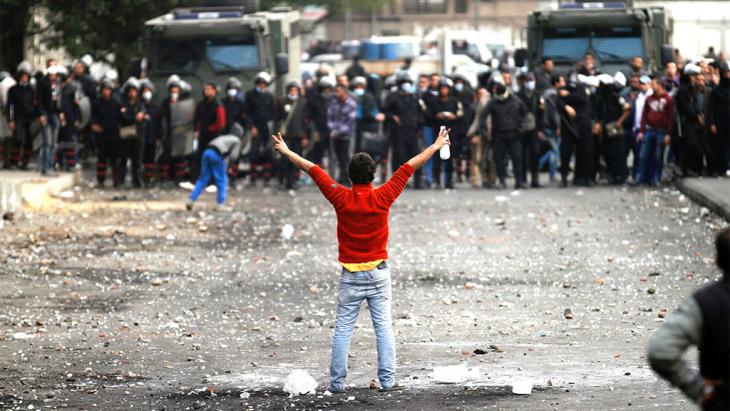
[361,169]
[722,245]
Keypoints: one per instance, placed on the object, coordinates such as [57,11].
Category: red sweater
[658,113]
[362,213]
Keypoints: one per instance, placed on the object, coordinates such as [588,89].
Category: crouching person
[702,321]
[214,165]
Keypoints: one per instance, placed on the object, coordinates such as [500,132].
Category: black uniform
[507,117]
[106,113]
[294,125]
[260,111]
[367,109]
[690,109]
[404,132]
[130,141]
[317,104]
[437,105]
[718,114]
[68,134]
[530,140]
[234,113]
[609,107]
[21,108]
[576,136]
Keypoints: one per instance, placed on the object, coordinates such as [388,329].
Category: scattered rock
[568,314]
[156,282]
[651,291]
[9,216]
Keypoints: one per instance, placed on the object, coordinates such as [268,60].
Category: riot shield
[4,87]
[181,119]
[85,109]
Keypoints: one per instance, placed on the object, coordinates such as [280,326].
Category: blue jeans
[212,165]
[552,156]
[373,286]
[428,139]
[49,133]
[651,156]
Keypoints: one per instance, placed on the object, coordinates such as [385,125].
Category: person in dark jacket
[233,105]
[531,132]
[131,132]
[700,321]
[368,119]
[460,145]
[152,131]
[70,116]
[718,118]
[21,110]
[317,103]
[690,109]
[404,111]
[259,112]
[341,114]
[48,92]
[356,69]
[209,120]
[507,113]
[294,126]
[611,110]
[445,110]
[576,134]
[105,117]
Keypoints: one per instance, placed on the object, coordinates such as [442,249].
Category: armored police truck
[212,44]
[613,32]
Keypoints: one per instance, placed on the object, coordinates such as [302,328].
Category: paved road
[119,299]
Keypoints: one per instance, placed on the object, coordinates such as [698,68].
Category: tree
[15,25]
[102,28]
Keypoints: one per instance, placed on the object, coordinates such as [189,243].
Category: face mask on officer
[530,85]
[260,87]
[459,87]
[232,92]
[326,94]
[147,95]
[406,87]
[359,91]
[174,96]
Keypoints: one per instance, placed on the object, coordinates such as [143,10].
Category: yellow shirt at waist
[357,267]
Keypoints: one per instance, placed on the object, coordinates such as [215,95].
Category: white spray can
[445,152]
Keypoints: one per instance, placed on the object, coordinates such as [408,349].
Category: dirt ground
[120,299]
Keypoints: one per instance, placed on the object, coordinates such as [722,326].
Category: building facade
[502,21]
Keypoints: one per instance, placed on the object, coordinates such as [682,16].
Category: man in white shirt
[645,91]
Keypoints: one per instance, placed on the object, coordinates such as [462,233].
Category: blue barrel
[369,50]
[389,51]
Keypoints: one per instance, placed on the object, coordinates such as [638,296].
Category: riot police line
[582,127]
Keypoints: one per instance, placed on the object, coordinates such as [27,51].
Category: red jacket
[362,213]
[658,113]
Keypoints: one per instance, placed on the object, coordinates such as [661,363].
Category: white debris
[23,336]
[579,193]
[245,395]
[455,374]
[522,387]
[186,185]
[211,189]
[300,382]
[704,212]
[67,195]
[453,233]
[501,199]
[287,231]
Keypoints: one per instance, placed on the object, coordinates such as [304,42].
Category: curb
[33,191]
[705,198]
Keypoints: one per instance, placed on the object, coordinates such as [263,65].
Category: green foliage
[102,27]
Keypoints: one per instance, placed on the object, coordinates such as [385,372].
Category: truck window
[232,54]
[179,56]
[617,44]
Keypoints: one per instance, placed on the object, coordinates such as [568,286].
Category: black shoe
[535,185]
[502,186]
[564,182]
[520,186]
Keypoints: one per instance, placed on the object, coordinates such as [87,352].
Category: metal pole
[348,21]
[476,15]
